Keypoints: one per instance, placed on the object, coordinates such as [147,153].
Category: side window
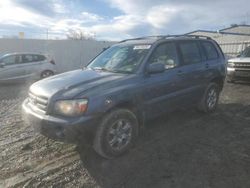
[210,50]
[41,57]
[18,59]
[190,52]
[10,60]
[36,58]
[166,54]
[27,58]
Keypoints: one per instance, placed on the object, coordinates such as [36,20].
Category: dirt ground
[181,149]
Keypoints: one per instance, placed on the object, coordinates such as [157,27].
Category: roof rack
[159,37]
[191,36]
[141,38]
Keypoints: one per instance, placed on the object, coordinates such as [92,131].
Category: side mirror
[156,68]
[238,55]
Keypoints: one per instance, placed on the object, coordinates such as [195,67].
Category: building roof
[219,32]
[242,30]
[235,26]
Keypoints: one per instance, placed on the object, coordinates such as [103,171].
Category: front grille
[242,66]
[38,101]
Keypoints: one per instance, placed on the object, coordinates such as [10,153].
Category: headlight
[71,107]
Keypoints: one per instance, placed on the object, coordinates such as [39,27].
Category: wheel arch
[131,106]
[219,81]
[45,71]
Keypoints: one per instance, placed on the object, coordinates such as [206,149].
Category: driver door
[9,68]
[161,90]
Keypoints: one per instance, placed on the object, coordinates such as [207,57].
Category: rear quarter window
[210,50]
[38,58]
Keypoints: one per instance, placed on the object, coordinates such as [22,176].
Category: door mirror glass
[156,68]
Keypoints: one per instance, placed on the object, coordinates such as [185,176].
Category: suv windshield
[246,53]
[121,59]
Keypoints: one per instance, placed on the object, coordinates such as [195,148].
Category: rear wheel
[210,98]
[116,133]
[47,73]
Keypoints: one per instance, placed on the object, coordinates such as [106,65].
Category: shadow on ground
[14,90]
[242,82]
[182,149]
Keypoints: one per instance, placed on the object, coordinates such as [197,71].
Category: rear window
[210,50]
[190,52]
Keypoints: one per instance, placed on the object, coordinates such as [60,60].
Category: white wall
[68,54]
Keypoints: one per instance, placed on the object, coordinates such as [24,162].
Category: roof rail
[141,38]
[185,35]
[199,36]
[159,37]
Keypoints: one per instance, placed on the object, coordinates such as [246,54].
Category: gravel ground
[181,149]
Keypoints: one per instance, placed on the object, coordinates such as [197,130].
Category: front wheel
[210,98]
[116,133]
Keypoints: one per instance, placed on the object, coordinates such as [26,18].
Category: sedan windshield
[121,59]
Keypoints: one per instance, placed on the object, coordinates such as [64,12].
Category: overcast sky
[119,19]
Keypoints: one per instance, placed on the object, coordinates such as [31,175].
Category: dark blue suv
[107,102]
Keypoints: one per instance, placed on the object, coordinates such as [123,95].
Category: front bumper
[71,130]
[233,73]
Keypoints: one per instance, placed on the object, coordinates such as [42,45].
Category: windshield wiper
[101,68]
[122,71]
[109,70]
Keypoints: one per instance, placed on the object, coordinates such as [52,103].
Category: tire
[46,74]
[210,98]
[116,133]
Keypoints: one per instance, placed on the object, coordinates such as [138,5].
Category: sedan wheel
[46,74]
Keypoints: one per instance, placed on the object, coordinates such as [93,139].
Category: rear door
[10,68]
[39,63]
[211,62]
[33,64]
[192,71]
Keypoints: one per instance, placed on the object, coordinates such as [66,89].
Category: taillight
[52,62]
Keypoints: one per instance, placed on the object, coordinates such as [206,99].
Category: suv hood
[72,83]
[240,60]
